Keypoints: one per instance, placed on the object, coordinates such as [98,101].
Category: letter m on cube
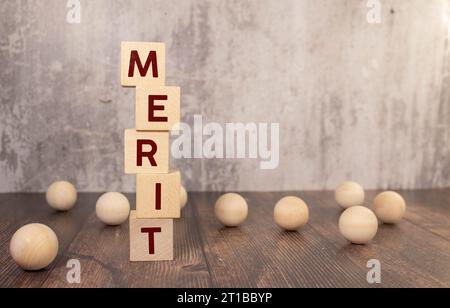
[143,64]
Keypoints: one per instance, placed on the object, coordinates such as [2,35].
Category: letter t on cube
[150,239]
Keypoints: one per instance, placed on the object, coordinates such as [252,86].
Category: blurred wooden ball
[291,213]
[33,247]
[231,210]
[390,207]
[358,225]
[113,208]
[183,197]
[349,194]
[61,196]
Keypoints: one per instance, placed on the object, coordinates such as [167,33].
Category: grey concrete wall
[353,99]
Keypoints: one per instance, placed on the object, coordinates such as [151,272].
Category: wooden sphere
[61,196]
[231,210]
[349,194]
[33,247]
[112,208]
[291,213]
[389,207]
[358,225]
[183,197]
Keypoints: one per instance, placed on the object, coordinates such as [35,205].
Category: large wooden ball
[33,247]
[231,210]
[113,208]
[390,207]
[291,213]
[61,196]
[349,194]
[358,225]
[183,197]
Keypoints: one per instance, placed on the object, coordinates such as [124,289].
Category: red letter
[135,60]
[158,196]
[149,155]
[151,238]
[152,107]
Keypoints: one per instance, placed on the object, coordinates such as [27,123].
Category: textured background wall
[353,99]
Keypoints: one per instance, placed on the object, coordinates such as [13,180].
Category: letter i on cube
[147,151]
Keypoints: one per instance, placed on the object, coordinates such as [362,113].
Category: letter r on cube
[146,152]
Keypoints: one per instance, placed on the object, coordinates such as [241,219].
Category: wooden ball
[231,210]
[61,196]
[291,213]
[358,225]
[112,208]
[389,207]
[33,247]
[349,194]
[183,197]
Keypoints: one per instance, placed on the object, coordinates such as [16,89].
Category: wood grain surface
[415,253]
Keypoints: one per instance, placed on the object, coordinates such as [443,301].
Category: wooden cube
[143,64]
[158,195]
[157,108]
[150,239]
[146,152]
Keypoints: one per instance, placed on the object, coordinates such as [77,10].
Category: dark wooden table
[415,253]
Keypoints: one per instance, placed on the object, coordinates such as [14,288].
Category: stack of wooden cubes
[147,151]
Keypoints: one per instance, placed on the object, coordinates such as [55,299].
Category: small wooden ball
[231,210]
[349,194]
[358,225]
[390,207]
[33,247]
[291,213]
[112,208]
[61,196]
[183,197]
